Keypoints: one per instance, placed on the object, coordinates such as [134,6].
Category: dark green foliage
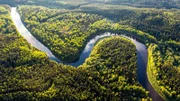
[73,30]
[15,51]
[26,74]
[147,3]
[6,26]
[69,31]
[113,52]
[109,74]
[169,76]
[115,62]
[163,24]
[114,55]
[66,33]
[163,71]
[60,82]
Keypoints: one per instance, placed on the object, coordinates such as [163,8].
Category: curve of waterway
[28,36]
[141,52]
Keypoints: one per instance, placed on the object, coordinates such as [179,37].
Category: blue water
[141,52]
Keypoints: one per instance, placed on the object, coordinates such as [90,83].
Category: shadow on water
[141,71]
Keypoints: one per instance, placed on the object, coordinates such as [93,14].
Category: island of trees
[110,72]
[28,74]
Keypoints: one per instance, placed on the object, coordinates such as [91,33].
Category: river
[141,52]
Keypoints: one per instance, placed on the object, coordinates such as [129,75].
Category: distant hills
[148,3]
[75,3]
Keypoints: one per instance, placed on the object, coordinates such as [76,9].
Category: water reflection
[28,36]
[141,52]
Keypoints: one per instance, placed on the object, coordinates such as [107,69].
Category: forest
[152,32]
[66,33]
[28,74]
[110,72]
[163,24]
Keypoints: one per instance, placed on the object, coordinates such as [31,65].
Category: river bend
[141,52]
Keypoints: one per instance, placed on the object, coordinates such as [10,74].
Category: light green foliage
[163,72]
[156,22]
[112,51]
[115,62]
[112,57]
[163,24]
[66,34]
[26,74]
[14,50]
[6,26]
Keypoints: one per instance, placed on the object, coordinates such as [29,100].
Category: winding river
[141,52]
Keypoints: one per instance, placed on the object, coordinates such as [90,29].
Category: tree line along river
[142,55]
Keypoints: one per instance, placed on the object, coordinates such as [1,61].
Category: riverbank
[151,72]
[141,49]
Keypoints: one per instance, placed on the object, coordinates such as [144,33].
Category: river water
[141,52]
[28,36]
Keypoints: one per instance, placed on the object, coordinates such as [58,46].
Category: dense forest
[163,72]
[27,74]
[66,33]
[110,72]
[123,23]
[164,24]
